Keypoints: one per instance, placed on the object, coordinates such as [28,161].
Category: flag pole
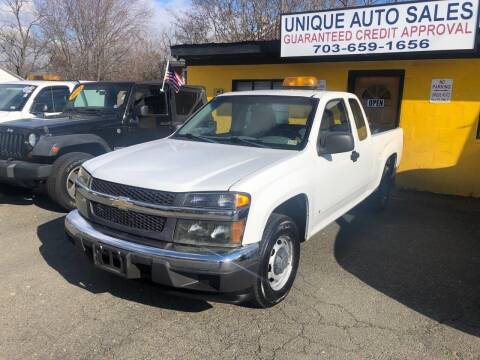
[165,76]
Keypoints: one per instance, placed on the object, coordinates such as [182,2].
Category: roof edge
[268,51]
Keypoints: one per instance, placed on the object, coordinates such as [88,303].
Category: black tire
[57,182]
[381,197]
[278,227]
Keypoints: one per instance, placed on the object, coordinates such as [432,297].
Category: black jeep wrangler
[99,117]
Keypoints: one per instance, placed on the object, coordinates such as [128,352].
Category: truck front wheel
[279,259]
[61,183]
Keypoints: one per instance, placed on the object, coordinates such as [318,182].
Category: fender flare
[383,162]
[88,143]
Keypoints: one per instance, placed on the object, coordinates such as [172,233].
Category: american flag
[176,81]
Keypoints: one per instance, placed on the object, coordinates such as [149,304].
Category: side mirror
[336,142]
[144,110]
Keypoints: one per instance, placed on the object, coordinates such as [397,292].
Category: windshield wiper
[238,139]
[197,137]
[89,110]
[95,111]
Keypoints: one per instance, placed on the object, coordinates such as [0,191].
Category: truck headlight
[32,139]
[84,177]
[226,200]
[210,233]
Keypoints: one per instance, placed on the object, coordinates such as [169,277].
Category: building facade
[434,96]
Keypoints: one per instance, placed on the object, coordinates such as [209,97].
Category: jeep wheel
[279,258]
[61,183]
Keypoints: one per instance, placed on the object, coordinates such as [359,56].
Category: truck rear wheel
[279,259]
[61,183]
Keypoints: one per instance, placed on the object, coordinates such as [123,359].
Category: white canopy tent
[6,75]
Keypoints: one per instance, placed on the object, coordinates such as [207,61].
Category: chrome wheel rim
[280,262]
[71,178]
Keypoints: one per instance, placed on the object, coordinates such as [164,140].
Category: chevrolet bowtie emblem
[121,203]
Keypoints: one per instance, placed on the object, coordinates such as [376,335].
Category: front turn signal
[241,200]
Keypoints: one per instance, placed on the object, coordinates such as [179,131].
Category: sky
[162,17]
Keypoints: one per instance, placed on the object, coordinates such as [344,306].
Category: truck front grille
[12,145]
[130,219]
[134,193]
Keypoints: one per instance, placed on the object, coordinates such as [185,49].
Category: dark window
[51,99]
[152,97]
[247,85]
[359,119]
[185,102]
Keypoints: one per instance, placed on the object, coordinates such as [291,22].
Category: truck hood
[9,115]
[182,166]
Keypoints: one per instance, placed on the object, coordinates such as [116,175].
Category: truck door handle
[355,155]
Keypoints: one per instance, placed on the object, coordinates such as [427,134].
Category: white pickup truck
[27,99]
[220,207]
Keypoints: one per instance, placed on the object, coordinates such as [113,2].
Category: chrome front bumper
[181,267]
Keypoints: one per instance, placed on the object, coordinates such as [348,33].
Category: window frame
[236,81]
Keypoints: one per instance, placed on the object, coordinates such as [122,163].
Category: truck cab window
[150,104]
[281,122]
[359,119]
[14,96]
[51,100]
[153,98]
[260,84]
[185,102]
[91,97]
[99,97]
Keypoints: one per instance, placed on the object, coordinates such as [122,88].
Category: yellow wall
[441,153]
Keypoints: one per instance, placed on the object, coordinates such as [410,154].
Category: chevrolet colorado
[247,178]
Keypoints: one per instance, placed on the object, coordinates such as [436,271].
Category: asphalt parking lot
[401,284]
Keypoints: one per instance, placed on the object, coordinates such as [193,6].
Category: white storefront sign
[376,103]
[399,28]
[441,90]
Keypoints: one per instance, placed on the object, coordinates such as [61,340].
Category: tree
[91,39]
[145,60]
[22,49]
[242,20]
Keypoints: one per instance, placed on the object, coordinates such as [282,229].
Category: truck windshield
[13,97]
[99,97]
[281,122]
